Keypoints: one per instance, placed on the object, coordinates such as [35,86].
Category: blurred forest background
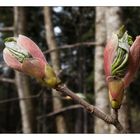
[73,41]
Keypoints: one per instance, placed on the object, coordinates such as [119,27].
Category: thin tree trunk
[26,106]
[55,59]
[113,23]
[101,95]
[79,112]
[113,20]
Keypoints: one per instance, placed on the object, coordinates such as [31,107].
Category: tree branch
[90,108]
[115,114]
[6,29]
[17,99]
[72,46]
[57,112]
[2,79]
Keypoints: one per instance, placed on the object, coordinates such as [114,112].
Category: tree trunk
[113,23]
[101,95]
[26,106]
[55,59]
[113,20]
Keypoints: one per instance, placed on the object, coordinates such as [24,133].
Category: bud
[24,55]
[117,60]
[50,77]
[116,92]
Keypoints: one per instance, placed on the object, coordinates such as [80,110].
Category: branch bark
[92,109]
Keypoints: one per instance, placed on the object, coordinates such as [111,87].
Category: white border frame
[69,2]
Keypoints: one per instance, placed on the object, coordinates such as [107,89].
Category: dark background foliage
[77,24]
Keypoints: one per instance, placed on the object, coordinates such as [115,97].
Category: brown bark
[110,119]
[101,96]
[113,23]
[26,106]
[50,37]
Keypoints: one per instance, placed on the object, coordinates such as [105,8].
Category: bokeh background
[73,40]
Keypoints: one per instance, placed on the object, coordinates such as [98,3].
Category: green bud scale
[120,63]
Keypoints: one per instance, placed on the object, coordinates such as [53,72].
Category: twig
[72,46]
[17,99]
[57,112]
[25,98]
[115,114]
[117,123]
[90,108]
[2,79]
[6,29]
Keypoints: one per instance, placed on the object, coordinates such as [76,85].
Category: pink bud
[10,60]
[24,55]
[34,67]
[134,62]
[31,47]
[109,54]
[121,62]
